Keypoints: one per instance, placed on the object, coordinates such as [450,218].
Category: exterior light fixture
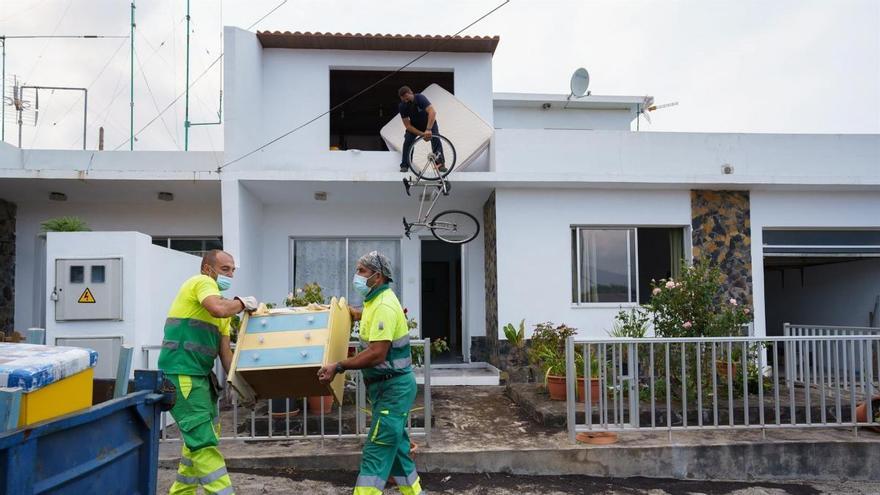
[546,106]
[165,196]
[57,196]
[320,196]
[727,169]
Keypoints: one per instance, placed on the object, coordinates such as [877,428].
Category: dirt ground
[253,482]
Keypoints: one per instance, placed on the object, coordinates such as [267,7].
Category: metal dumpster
[110,448]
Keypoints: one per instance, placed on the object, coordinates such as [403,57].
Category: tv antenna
[649,106]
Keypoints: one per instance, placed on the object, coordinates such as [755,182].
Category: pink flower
[687,324]
[655,291]
[670,284]
[746,311]
[733,301]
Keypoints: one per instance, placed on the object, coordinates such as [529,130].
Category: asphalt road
[265,482]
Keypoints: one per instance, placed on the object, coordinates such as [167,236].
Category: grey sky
[792,66]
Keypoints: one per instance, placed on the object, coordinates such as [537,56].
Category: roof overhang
[378,42]
[537,100]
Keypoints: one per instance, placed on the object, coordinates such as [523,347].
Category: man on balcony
[420,120]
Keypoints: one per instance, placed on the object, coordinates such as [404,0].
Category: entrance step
[478,373]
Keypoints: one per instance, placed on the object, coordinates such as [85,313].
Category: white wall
[374,216]
[175,218]
[675,158]
[151,276]
[534,248]
[293,85]
[243,235]
[809,209]
[556,117]
[836,294]
[242,85]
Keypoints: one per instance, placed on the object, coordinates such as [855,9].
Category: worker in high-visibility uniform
[391,386]
[196,332]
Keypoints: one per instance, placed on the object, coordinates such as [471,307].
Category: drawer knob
[304,353]
[261,339]
[264,322]
[308,336]
[256,357]
[310,319]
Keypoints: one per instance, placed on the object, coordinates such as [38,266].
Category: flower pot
[862,410]
[594,390]
[721,366]
[556,387]
[314,403]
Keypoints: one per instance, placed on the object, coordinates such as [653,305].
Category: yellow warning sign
[86,297]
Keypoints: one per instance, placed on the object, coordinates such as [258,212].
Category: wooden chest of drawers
[279,354]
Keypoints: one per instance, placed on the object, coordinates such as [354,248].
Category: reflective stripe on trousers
[204,467]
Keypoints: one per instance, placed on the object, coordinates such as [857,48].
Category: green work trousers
[201,463]
[386,452]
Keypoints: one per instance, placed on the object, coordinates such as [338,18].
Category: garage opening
[821,277]
[356,124]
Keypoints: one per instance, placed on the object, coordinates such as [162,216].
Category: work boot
[404,169]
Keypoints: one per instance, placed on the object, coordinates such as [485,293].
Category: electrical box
[108,349]
[88,289]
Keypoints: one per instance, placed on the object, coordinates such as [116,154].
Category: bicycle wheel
[454,227]
[426,157]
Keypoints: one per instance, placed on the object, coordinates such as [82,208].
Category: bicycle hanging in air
[431,162]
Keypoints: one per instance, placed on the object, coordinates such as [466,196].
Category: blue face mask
[224,282]
[360,285]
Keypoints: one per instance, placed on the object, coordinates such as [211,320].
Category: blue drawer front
[285,356]
[287,323]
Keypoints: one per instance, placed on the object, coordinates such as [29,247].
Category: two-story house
[578,211]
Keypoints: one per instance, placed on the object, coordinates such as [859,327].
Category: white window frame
[203,238]
[632,244]
[291,276]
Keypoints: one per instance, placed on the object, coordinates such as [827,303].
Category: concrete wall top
[144,162]
[690,158]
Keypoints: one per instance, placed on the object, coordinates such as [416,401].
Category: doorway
[442,297]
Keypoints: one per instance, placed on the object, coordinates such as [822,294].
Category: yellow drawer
[274,340]
[57,399]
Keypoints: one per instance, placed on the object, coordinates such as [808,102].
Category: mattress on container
[31,367]
[468,133]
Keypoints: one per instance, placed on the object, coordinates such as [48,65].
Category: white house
[578,211]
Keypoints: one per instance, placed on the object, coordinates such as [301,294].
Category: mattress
[31,367]
[468,133]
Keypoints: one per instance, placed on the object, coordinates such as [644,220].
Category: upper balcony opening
[356,124]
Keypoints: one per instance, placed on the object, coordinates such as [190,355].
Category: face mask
[360,284]
[224,282]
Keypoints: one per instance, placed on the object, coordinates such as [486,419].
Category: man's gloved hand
[250,302]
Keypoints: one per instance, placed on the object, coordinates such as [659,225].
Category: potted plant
[65,224]
[517,362]
[862,410]
[548,352]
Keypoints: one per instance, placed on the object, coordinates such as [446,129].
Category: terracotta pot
[597,437]
[314,403]
[556,387]
[862,409]
[721,366]
[594,390]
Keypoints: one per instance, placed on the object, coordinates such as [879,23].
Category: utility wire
[95,80]
[46,44]
[359,93]
[193,83]
[153,97]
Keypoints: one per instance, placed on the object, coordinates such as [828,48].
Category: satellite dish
[580,82]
